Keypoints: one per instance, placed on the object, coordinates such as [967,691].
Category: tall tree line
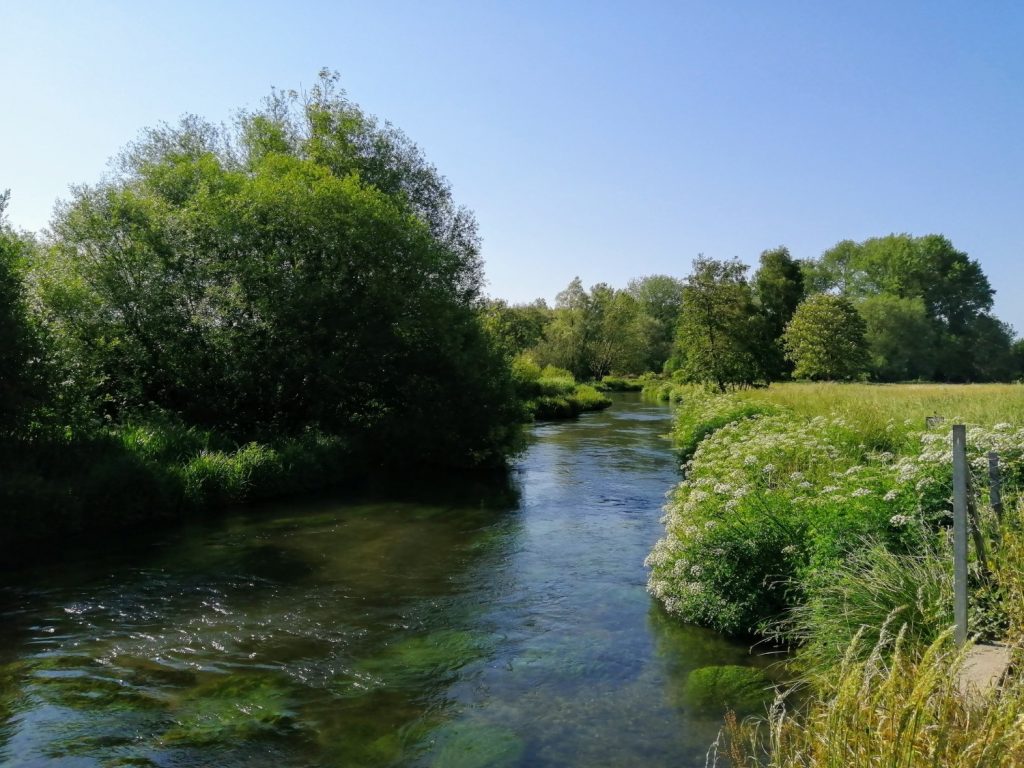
[896,308]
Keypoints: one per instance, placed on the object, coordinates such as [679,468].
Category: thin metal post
[995,490]
[960,533]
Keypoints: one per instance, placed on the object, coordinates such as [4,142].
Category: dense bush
[774,510]
[22,384]
[768,500]
[306,270]
[552,393]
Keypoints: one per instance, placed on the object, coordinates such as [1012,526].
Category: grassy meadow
[873,404]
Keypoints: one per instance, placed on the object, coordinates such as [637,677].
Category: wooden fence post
[995,491]
[960,533]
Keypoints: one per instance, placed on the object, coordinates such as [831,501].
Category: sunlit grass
[983,404]
[900,708]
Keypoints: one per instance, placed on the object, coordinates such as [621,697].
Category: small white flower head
[796,476]
[696,571]
[750,461]
[830,489]
[899,521]
[861,492]
[768,468]
[891,495]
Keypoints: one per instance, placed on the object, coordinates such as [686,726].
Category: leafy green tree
[779,289]
[952,287]
[1017,352]
[515,328]
[661,299]
[620,333]
[308,269]
[22,381]
[984,352]
[595,333]
[720,329]
[565,339]
[826,339]
[900,336]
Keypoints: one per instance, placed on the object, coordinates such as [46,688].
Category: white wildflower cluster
[802,474]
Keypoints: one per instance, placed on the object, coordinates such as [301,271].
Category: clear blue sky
[604,139]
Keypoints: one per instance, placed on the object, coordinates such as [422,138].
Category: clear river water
[478,624]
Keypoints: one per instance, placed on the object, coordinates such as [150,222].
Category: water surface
[500,624]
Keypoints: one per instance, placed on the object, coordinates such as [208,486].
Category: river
[479,624]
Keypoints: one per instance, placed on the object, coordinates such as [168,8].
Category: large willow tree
[305,267]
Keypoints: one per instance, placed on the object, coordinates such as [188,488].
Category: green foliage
[772,501]
[887,704]
[779,289]
[720,331]
[552,393]
[150,472]
[661,299]
[597,333]
[900,337]
[516,328]
[702,413]
[871,589]
[620,384]
[833,517]
[22,381]
[826,339]
[308,270]
[963,342]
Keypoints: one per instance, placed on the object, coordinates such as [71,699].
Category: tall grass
[869,589]
[878,404]
[897,708]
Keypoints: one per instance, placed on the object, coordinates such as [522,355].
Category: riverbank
[136,475]
[158,471]
[819,515]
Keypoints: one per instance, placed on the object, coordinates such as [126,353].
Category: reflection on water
[473,625]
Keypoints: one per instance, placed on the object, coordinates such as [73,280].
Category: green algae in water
[479,746]
[716,688]
[409,660]
[230,708]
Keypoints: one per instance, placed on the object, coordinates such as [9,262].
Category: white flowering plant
[771,501]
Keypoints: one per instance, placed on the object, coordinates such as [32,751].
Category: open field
[979,404]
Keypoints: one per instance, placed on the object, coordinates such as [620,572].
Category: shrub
[767,502]
[869,589]
[620,384]
[589,399]
[701,413]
